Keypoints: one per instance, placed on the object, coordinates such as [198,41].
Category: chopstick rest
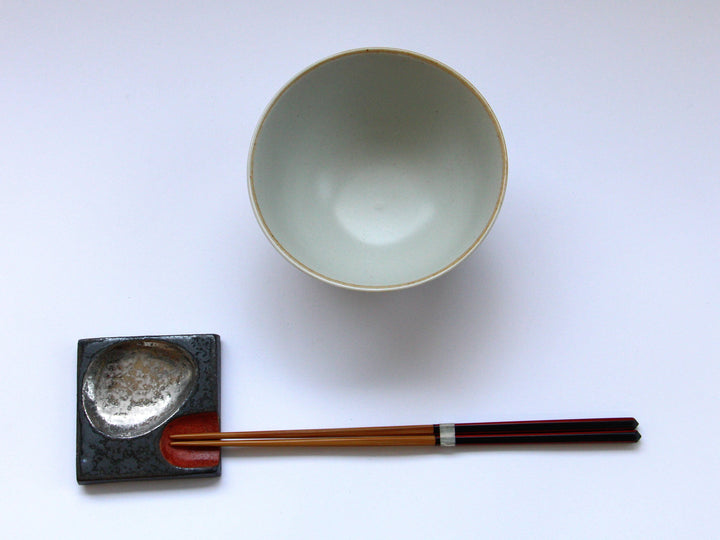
[131,391]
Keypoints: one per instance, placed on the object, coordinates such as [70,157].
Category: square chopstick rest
[133,393]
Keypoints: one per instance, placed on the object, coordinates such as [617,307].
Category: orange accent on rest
[191,458]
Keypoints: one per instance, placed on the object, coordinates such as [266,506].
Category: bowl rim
[355,286]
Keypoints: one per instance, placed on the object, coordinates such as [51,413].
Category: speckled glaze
[377,169]
[113,454]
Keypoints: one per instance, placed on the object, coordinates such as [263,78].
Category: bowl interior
[377,169]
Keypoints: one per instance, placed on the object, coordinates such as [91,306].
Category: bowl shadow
[425,335]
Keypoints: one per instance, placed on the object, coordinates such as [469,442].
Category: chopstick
[535,431]
[402,440]
[325,432]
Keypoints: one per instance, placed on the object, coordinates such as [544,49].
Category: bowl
[377,169]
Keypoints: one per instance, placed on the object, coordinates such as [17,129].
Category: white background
[124,129]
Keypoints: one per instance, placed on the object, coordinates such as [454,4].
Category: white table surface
[123,140]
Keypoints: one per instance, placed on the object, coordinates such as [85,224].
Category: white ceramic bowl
[377,169]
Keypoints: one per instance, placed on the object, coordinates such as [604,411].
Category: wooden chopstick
[539,431]
[401,440]
[422,440]
[324,432]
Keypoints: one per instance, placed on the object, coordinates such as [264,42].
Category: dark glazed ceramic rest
[129,390]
